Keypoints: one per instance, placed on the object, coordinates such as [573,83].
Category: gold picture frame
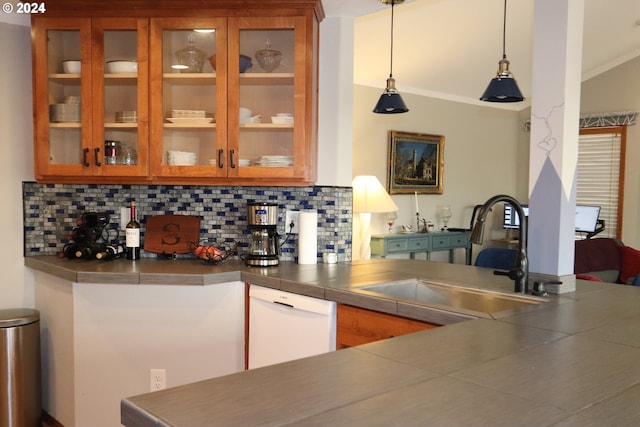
[415,163]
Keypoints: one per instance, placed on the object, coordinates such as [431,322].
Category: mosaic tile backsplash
[51,211]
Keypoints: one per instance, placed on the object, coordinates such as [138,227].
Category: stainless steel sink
[455,297]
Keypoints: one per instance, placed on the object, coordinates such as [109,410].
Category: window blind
[598,176]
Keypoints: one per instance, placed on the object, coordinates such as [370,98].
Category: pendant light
[503,87]
[390,101]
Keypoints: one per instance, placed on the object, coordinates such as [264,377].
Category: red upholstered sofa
[607,260]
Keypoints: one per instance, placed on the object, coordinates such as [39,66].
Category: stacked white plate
[282,119]
[64,112]
[191,117]
[274,161]
[182,158]
[188,114]
[190,120]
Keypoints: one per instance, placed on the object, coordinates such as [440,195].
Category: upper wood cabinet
[269,147]
[188,105]
[75,105]
[195,124]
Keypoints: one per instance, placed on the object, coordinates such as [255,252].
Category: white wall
[615,91]
[335,104]
[16,161]
[13,17]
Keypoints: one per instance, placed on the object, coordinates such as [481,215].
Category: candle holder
[422,225]
[445,214]
[391,219]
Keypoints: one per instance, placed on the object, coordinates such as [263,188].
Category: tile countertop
[574,361]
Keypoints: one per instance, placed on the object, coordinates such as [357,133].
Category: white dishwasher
[285,326]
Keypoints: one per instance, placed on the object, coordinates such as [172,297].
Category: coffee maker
[264,244]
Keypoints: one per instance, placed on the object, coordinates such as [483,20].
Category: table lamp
[369,196]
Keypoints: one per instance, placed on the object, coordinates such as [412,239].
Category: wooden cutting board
[171,234]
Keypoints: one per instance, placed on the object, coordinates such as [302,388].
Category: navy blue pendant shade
[503,87]
[390,101]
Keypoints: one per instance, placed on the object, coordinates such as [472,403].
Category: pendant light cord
[391,62]
[504,31]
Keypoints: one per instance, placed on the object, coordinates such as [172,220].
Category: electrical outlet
[291,217]
[158,379]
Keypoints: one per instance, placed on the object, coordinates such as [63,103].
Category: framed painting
[415,163]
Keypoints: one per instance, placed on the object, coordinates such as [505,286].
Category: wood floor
[49,421]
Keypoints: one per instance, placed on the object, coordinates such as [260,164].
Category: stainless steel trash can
[20,399]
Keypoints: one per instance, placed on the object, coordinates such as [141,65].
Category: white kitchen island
[100,341]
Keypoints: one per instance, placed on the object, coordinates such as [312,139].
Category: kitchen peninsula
[571,361]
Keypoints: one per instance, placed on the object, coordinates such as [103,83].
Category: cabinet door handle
[96,152]
[231,161]
[85,162]
[220,153]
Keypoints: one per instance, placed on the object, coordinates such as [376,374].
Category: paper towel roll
[308,237]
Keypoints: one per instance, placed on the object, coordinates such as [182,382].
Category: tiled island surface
[572,361]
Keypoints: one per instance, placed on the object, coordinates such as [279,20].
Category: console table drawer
[459,241]
[418,244]
[440,242]
[397,245]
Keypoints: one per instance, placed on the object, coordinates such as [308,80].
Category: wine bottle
[89,251]
[84,252]
[69,251]
[133,235]
[110,252]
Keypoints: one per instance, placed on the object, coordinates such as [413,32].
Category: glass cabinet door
[267,98]
[78,99]
[62,81]
[188,97]
[120,98]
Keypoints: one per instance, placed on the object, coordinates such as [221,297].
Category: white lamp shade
[370,196]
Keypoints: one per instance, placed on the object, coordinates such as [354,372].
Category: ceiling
[450,49]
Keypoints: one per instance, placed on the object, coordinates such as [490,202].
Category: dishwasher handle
[293,301]
[283,303]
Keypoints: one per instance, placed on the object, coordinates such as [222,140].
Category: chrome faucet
[520,273]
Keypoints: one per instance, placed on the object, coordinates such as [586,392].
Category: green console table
[387,244]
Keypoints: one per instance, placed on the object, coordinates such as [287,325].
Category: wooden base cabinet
[356,326]
[206,109]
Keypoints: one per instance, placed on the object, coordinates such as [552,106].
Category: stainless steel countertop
[570,362]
